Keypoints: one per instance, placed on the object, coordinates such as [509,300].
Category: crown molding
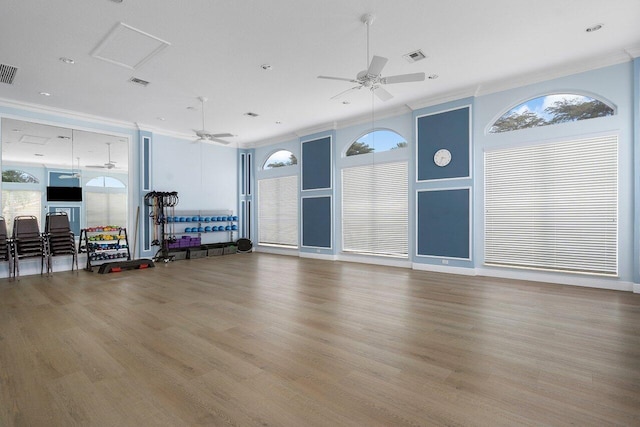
[633,51]
[164,132]
[443,98]
[576,67]
[67,114]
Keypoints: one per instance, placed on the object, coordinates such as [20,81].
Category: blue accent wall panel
[443,223]
[316,222]
[316,164]
[55,180]
[450,130]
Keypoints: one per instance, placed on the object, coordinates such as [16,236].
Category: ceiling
[216,49]
[36,144]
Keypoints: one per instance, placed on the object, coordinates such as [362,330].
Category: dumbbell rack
[104,244]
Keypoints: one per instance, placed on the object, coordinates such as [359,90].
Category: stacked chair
[5,245]
[28,242]
[59,239]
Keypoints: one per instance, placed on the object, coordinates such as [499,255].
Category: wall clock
[442,157]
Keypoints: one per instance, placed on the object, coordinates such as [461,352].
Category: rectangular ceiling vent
[138,81]
[7,73]
[414,56]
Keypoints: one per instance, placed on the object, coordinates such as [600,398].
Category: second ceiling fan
[371,78]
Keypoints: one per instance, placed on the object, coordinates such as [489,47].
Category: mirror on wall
[52,169]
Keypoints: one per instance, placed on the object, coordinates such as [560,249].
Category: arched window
[14,175]
[550,110]
[105,182]
[377,141]
[280,159]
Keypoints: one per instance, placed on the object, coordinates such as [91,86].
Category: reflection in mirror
[35,156]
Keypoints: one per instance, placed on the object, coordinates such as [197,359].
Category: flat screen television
[64,194]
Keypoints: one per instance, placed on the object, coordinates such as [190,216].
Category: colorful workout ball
[194,218]
[221,228]
[200,229]
[234,227]
[227,228]
[183,219]
[207,229]
[224,218]
[207,219]
[187,230]
[169,219]
[218,218]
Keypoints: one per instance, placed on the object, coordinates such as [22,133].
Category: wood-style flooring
[267,340]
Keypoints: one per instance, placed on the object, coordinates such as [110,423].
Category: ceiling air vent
[414,56]
[7,73]
[138,81]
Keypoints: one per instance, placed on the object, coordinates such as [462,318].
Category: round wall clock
[442,157]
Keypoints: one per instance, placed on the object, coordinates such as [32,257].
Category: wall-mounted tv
[64,194]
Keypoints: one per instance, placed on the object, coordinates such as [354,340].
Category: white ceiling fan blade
[222,135]
[338,78]
[403,78]
[96,166]
[345,92]
[382,94]
[376,66]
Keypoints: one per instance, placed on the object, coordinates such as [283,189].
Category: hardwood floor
[261,339]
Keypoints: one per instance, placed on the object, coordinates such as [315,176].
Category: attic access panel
[128,47]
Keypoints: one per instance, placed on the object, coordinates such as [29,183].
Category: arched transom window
[280,158]
[376,142]
[550,110]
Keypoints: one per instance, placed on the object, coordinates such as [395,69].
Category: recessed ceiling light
[250,114]
[266,67]
[39,155]
[117,1]
[346,102]
[594,28]
[67,60]
[45,94]
[191,108]
[278,122]
[162,119]
[433,76]
[16,130]
[63,137]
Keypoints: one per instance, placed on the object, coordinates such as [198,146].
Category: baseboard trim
[444,269]
[577,280]
[311,255]
[375,260]
[275,251]
[636,288]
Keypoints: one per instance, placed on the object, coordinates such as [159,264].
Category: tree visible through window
[551,110]
[376,141]
[280,159]
[14,175]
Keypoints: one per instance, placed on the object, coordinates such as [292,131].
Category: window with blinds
[21,202]
[553,206]
[375,209]
[278,211]
[106,209]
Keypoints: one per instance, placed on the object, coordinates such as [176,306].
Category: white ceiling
[216,49]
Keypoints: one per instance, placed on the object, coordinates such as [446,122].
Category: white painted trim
[311,255]
[633,51]
[470,258]
[375,260]
[636,288]
[301,222]
[559,279]
[444,269]
[443,98]
[469,145]
[276,251]
[331,160]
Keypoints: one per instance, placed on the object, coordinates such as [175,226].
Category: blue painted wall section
[443,223]
[316,164]
[316,222]
[450,130]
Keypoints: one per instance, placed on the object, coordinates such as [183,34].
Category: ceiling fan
[205,135]
[109,164]
[73,174]
[371,77]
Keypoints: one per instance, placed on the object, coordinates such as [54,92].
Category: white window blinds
[106,208]
[278,211]
[375,209]
[553,206]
